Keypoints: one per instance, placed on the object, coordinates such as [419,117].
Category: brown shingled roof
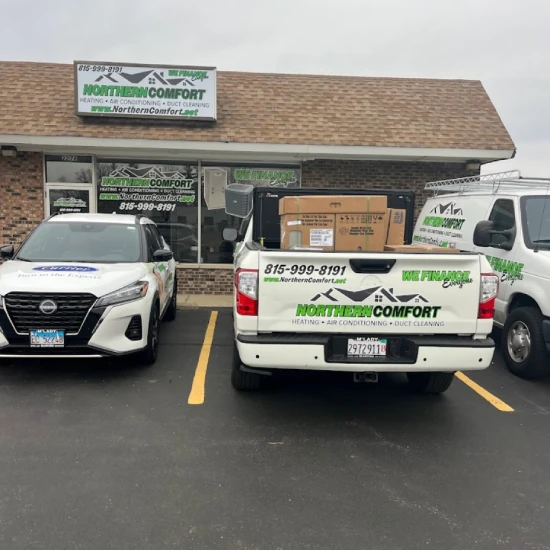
[38,99]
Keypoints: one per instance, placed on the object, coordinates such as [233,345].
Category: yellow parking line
[488,396]
[196,396]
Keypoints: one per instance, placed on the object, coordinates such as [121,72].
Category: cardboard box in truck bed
[341,223]
[396,226]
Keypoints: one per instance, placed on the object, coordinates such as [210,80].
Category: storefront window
[166,193]
[213,217]
[68,169]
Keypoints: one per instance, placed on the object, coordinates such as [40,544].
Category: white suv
[87,285]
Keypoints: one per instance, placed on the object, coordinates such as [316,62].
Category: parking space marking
[196,395]
[488,396]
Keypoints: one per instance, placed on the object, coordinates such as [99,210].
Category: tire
[241,380]
[430,382]
[523,329]
[149,355]
[172,309]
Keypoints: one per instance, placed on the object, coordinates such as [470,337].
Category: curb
[196,301]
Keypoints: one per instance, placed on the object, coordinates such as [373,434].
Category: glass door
[70,198]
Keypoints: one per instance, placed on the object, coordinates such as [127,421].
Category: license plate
[366,347]
[47,338]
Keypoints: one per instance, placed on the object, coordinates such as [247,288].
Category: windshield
[536,221]
[82,242]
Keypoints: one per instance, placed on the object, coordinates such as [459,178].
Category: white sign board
[143,91]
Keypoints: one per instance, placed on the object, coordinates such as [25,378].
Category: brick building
[268,129]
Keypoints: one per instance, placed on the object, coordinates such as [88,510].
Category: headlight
[127,294]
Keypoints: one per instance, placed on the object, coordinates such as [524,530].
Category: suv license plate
[362,347]
[47,338]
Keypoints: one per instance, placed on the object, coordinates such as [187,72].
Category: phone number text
[279,269]
[100,68]
[160,207]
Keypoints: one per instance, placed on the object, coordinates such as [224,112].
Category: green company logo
[103,90]
[444,223]
[447,278]
[379,311]
[163,183]
[511,271]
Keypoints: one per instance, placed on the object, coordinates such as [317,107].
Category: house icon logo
[378,294]
[449,209]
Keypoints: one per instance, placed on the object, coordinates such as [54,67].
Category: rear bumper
[327,352]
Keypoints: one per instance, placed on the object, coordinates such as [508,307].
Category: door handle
[372,266]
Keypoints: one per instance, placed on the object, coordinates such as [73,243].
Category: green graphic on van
[445,223]
[511,271]
[447,278]
[434,242]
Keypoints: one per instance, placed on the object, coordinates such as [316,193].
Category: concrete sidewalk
[196,301]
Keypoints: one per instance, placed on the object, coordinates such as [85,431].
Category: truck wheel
[241,380]
[523,345]
[170,314]
[430,382]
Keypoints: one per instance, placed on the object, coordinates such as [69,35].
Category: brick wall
[21,196]
[205,280]
[380,175]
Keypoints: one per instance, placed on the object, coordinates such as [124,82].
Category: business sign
[143,91]
[145,188]
[69,201]
[266,177]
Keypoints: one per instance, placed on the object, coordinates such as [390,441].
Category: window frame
[526,235]
[514,226]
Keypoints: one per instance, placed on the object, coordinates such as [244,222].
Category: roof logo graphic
[449,209]
[380,294]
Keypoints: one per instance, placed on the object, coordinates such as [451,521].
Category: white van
[517,212]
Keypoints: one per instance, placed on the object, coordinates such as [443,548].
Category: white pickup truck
[426,315]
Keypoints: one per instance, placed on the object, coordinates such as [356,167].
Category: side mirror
[482,233]
[230,234]
[483,236]
[162,255]
[7,251]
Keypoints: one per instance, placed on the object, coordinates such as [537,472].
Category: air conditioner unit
[215,182]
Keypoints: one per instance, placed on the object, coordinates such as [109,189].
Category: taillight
[487,296]
[246,282]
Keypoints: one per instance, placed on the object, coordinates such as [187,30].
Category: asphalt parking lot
[108,455]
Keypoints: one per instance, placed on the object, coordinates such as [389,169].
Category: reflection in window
[213,217]
[68,169]
[537,219]
[504,219]
[165,193]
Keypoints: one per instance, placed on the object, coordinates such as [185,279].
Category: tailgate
[374,293]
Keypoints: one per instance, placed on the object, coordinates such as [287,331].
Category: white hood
[97,279]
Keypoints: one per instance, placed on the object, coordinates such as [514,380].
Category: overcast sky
[503,43]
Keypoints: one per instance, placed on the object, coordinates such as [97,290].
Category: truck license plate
[366,347]
[47,338]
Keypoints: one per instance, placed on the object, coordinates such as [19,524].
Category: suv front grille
[25,314]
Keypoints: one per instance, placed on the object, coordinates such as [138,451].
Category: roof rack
[499,181]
